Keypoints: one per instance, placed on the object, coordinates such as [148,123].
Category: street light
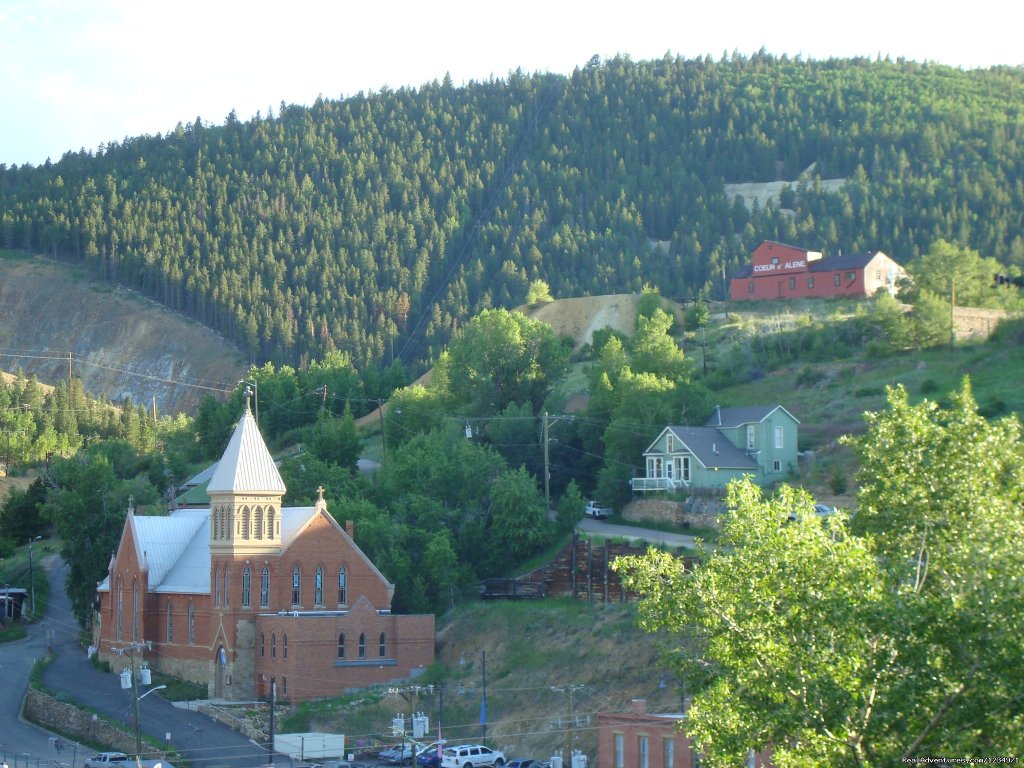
[138,718]
[256,391]
[32,581]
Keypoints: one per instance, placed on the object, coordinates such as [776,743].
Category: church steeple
[245,495]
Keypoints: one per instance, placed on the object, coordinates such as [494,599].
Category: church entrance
[220,663]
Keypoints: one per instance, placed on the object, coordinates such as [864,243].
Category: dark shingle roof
[713,449]
[734,417]
[847,261]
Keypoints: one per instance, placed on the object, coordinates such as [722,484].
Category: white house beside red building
[247,591]
[780,271]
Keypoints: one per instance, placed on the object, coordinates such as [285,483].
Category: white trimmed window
[780,437]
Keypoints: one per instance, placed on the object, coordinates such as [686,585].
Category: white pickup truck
[596,511]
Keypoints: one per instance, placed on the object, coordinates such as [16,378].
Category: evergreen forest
[377,224]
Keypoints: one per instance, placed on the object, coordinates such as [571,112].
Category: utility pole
[270,743]
[483,697]
[569,689]
[136,645]
[547,471]
[547,463]
[31,579]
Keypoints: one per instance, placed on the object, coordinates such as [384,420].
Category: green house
[759,441]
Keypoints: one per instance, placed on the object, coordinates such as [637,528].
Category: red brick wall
[311,666]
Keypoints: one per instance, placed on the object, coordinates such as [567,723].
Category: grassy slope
[530,648]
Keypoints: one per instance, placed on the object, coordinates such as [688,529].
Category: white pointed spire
[246,466]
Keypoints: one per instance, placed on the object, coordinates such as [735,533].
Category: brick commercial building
[641,739]
[247,591]
[779,271]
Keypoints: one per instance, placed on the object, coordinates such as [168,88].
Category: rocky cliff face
[120,344]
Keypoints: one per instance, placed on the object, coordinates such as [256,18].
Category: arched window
[120,608]
[217,583]
[170,622]
[246,533]
[284,681]
[383,644]
[296,586]
[342,586]
[273,645]
[341,646]
[362,645]
[227,587]
[270,522]
[135,610]
[257,527]
[318,586]
[263,645]
[284,647]
[191,623]
[246,587]
[265,587]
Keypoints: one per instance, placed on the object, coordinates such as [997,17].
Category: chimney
[639,707]
[350,529]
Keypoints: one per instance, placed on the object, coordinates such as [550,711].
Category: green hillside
[378,224]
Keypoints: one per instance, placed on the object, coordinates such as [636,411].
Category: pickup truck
[107,760]
[121,760]
[596,511]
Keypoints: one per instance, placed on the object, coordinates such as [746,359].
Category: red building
[246,591]
[639,739]
[779,271]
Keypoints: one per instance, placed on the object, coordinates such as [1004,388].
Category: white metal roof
[246,466]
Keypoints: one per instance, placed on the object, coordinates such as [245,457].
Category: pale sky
[78,73]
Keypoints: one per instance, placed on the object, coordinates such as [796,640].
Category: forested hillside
[377,224]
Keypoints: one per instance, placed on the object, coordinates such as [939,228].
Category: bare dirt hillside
[121,345]
[579,318]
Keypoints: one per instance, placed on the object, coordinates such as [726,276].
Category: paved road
[204,742]
[614,530]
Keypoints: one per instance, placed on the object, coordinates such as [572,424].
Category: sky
[79,73]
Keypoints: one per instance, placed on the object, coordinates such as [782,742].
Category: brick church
[248,591]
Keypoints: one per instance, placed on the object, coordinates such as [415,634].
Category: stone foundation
[698,510]
[65,718]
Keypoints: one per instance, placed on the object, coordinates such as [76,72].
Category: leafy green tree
[501,357]
[928,324]
[872,644]
[335,440]
[947,270]
[539,292]
[21,514]
[87,504]
[570,508]
[519,524]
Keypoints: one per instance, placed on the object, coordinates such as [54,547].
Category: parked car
[596,511]
[400,754]
[525,762]
[471,756]
[106,760]
[428,758]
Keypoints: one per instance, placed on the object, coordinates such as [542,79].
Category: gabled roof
[827,264]
[749,414]
[845,261]
[201,477]
[246,466]
[711,448]
[175,547]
